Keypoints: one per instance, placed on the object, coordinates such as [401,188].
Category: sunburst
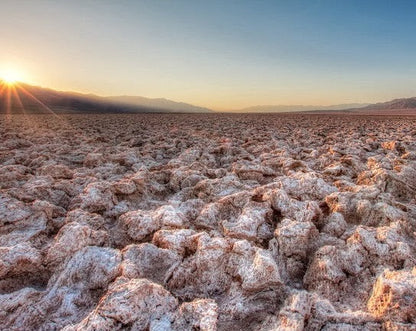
[10,76]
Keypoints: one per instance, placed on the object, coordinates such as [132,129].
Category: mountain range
[20,98]
[291,108]
[25,98]
[396,104]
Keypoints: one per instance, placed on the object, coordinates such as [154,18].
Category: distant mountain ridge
[403,103]
[25,98]
[296,108]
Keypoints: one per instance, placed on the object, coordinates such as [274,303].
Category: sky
[219,54]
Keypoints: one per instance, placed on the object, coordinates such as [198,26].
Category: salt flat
[207,221]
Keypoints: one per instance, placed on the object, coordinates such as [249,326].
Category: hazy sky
[220,54]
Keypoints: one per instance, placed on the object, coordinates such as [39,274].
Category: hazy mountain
[34,99]
[159,103]
[294,108]
[396,106]
[404,103]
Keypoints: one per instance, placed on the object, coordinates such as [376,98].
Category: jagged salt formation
[228,222]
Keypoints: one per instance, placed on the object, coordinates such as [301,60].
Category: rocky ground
[205,222]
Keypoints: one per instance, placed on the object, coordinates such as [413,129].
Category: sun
[10,76]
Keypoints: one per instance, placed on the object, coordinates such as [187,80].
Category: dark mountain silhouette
[24,98]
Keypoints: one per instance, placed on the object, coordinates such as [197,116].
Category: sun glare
[10,76]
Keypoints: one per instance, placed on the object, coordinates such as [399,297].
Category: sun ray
[3,86]
[38,101]
[17,97]
[8,101]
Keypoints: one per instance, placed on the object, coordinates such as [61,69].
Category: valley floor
[207,221]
